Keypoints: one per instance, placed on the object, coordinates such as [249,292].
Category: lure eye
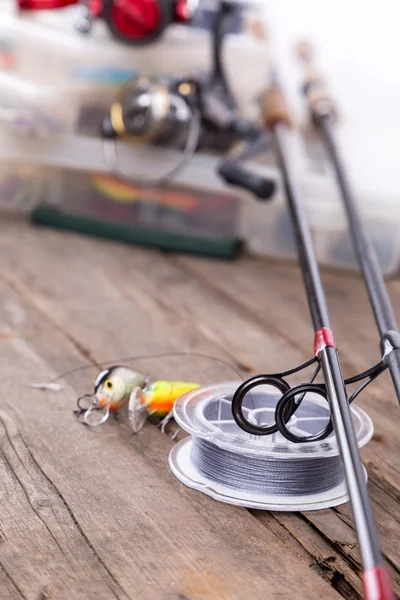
[109,384]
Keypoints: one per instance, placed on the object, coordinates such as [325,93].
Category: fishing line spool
[264,472]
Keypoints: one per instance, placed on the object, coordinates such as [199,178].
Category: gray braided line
[266,475]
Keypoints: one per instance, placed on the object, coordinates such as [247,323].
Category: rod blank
[324,115]
[277,119]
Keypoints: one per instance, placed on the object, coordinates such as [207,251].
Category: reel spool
[148,108]
[156,110]
[269,472]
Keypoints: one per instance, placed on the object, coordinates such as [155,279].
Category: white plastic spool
[206,413]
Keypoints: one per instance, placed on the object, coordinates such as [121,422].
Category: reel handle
[232,170]
[235,174]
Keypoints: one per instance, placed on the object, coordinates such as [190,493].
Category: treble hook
[83,412]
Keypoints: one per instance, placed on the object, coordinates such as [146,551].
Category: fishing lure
[118,385]
[156,399]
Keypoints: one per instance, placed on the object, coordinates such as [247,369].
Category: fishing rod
[323,115]
[376,581]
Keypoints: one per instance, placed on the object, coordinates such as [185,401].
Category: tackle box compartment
[195,213]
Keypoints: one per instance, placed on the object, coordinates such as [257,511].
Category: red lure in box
[134,22]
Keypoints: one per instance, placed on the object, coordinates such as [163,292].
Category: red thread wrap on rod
[324,338]
[376,584]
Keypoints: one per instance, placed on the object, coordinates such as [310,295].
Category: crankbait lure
[118,385]
[111,391]
[156,399]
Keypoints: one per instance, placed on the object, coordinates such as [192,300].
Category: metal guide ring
[242,391]
[286,403]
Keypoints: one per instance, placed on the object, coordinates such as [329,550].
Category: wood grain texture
[98,510]
[331,525]
[96,513]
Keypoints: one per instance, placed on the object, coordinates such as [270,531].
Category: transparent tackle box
[195,213]
[46,64]
[267,230]
[60,84]
[21,187]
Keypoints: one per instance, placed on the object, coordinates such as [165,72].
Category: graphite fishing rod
[376,581]
[323,115]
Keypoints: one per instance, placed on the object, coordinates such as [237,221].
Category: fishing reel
[153,109]
[183,114]
[190,114]
[161,111]
[134,22]
[160,108]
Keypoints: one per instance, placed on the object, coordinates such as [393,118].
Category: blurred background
[118,116]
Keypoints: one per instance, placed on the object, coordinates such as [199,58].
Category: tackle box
[195,213]
[55,88]
[39,174]
[266,227]
[185,216]
[46,65]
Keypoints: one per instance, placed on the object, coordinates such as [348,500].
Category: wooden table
[96,513]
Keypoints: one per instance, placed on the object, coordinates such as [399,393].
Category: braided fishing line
[267,472]
[266,475]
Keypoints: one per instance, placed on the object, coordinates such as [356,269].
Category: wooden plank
[42,543]
[181,297]
[96,513]
[324,557]
[8,586]
[277,299]
[234,323]
[136,274]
